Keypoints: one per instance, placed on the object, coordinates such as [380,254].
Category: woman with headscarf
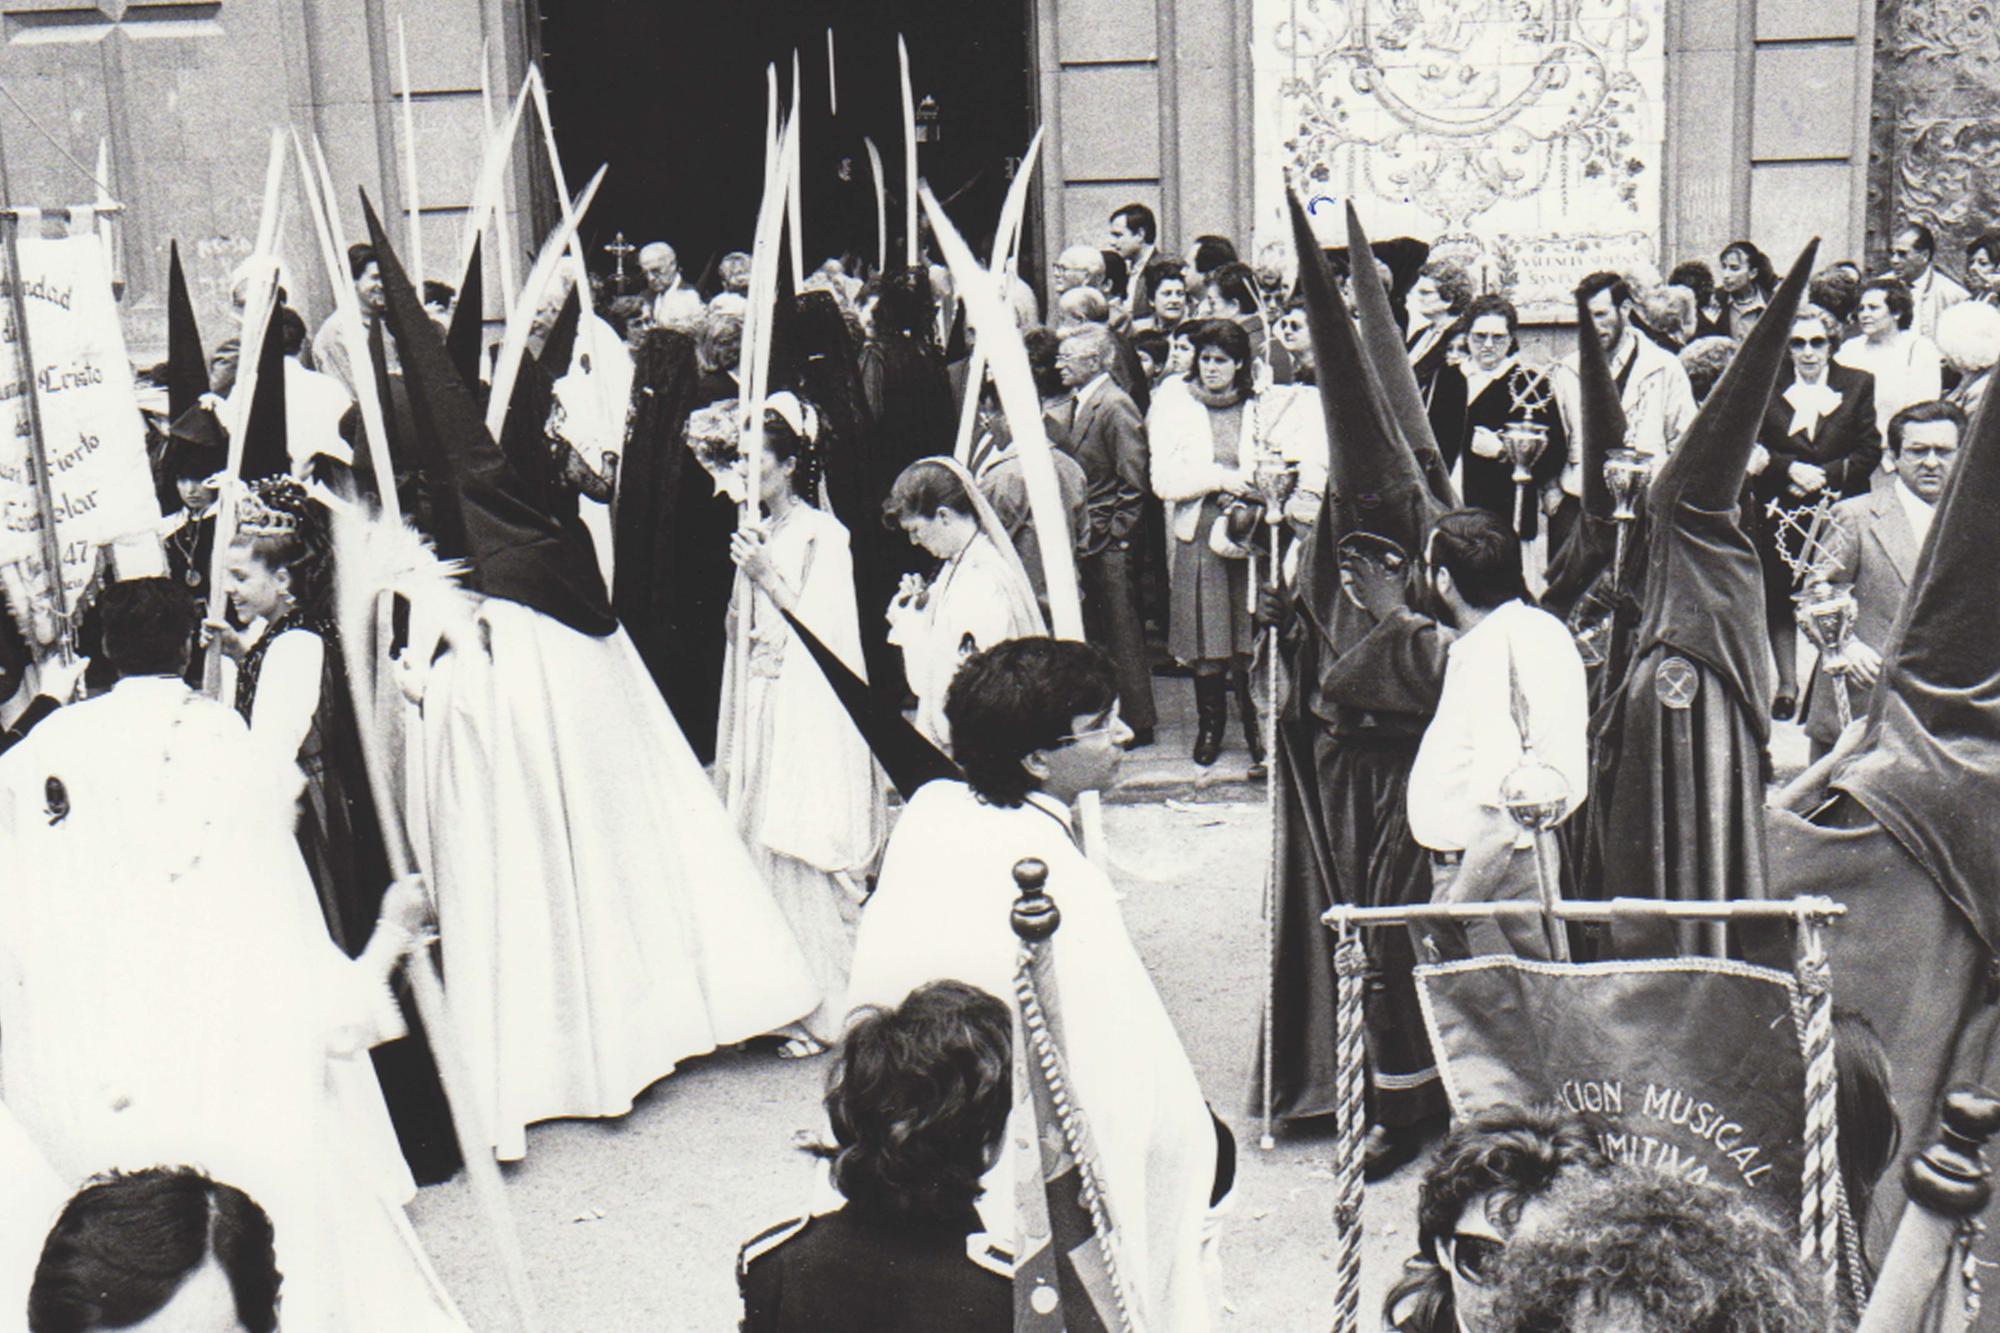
[979,596]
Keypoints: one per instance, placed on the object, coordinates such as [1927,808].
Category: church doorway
[672,97]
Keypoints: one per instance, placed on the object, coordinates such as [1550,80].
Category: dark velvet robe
[1488,483]
[673,573]
[1346,741]
[909,397]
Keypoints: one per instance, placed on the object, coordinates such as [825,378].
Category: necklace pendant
[193,577]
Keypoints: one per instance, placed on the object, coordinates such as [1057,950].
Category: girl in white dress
[979,596]
[791,766]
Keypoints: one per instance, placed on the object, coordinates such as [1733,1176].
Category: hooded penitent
[265,453]
[1362,694]
[1584,558]
[1904,835]
[187,364]
[1679,767]
[481,509]
[468,323]
[1382,339]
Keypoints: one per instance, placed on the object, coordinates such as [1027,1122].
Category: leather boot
[1253,731]
[1211,716]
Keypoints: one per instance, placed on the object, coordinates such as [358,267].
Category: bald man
[669,303]
[1078,266]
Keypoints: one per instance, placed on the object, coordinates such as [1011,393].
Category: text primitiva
[1681,1114]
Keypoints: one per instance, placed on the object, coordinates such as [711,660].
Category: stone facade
[1748,117]
[185,93]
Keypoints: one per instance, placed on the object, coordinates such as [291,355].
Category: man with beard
[1513,685]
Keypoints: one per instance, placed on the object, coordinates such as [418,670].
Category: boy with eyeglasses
[1034,725]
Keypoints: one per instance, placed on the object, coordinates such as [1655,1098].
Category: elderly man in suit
[1819,437]
[1872,551]
[1105,433]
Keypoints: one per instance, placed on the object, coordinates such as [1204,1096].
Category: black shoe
[1784,707]
[1386,1151]
[1211,712]
[1141,738]
[1253,730]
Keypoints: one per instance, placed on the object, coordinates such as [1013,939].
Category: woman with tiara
[789,763]
[292,690]
[979,596]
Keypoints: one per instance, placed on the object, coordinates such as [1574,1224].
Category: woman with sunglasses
[1473,403]
[1485,1173]
[1819,439]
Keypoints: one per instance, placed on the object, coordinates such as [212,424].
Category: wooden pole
[38,455]
[881,204]
[910,249]
[347,309]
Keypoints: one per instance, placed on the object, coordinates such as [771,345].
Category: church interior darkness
[672,96]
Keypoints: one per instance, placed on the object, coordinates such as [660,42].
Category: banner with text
[93,437]
[1693,1065]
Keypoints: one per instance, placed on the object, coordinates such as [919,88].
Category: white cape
[942,909]
[169,994]
[600,917]
[812,808]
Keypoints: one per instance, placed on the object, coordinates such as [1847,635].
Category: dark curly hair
[1017,697]
[906,306]
[1643,1251]
[1511,1154]
[918,1098]
[125,1243]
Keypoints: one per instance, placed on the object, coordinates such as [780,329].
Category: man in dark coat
[1106,434]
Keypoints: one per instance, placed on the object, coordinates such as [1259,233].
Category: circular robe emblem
[1677,683]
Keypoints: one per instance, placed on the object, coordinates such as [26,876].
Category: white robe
[601,919]
[967,609]
[33,1196]
[812,806]
[942,910]
[169,994]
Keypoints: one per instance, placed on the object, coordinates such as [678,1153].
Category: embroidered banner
[1524,140]
[93,436]
[1693,1064]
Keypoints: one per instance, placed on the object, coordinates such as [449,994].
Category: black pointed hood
[187,364]
[480,506]
[1704,593]
[1382,339]
[1373,483]
[265,453]
[1601,428]
[906,754]
[465,337]
[1929,768]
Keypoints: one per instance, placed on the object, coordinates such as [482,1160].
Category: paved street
[634,1224]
